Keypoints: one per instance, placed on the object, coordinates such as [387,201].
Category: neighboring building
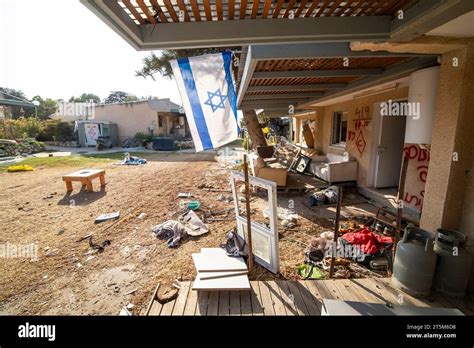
[155,117]
[69,112]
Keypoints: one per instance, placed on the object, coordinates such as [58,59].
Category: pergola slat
[289,7]
[134,11]
[356,7]
[146,11]
[231,9]
[207,9]
[171,11]
[196,12]
[322,8]
[311,8]
[255,5]
[219,9]
[266,8]
[276,11]
[345,7]
[243,9]
[182,7]
[159,11]
[334,6]
[301,8]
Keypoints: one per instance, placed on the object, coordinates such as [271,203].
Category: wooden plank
[356,295]
[152,300]
[311,8]
[386,288]
[213,303]
[212,263]
[277,9]
[277,299]
[182,7]
[134,11]
[207,10]
[267,302]
[219,10]
[266,8]
[288,298]
[354,8]
[255,5]
[214,275]
[240,282]
[196,12]
[159,11]
[224,303]
[245,302]
[146,11]
[322,8]
[297,298]
[366,292]
[308,299]
[345,7]
[180,303]
[171,11]
[202,302]
[376,290]
[301,7]
[168,308]
[243,9]
[234,303]
[333,290]
[256,299]
[289,7]
[345,293]
[314,290]
[155,308]
[334,6]
[231,7]
[191,302]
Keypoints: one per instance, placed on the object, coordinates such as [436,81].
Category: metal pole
[247,208]
[336,229]
[401,192]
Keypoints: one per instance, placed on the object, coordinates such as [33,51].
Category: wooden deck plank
[297,298]
[202,302]
[356,295]
[256,299]
[267,302]
[224,302]
[180,303]
[314,290]
[333,290]
[346,294]
[234,303]
[168,308]
[245,302]
[213,303]
[308,299]
[278,303]
[366,292]
[155,308]
[191,303]
[396,295]
[377,288]
[288,298]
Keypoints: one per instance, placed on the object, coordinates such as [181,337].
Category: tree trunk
[254,129]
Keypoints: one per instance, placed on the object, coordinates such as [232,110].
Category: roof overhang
[161,24]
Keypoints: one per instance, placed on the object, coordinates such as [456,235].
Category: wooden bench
[85,176]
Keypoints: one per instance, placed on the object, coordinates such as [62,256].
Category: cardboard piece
[308,136]
[214,262]
[240,282]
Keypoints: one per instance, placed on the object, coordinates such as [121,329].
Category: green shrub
[21,128]
[57,131]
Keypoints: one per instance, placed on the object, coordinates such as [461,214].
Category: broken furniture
[217,271]
[85,177]
[338,307]
[272,172]
[334,168]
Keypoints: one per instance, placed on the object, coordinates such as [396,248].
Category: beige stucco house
[155,117]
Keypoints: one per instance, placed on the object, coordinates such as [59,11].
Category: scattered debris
[166,295]
[185,195]
[194,205]
[50,195]
[141,216]
[99,247]
[108,216]
[131,160]
[20,168]
[131,291]
[125,312]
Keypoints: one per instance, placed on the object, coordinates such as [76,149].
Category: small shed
[89,131]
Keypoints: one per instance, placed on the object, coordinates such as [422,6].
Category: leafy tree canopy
[120,97]
[85,98]
[46,107]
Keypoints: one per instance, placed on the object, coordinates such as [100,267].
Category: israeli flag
[208,94]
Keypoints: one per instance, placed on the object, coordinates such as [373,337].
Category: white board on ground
[213,275]
[211,262]
[240,282]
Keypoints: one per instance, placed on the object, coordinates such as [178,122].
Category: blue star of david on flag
[217,95]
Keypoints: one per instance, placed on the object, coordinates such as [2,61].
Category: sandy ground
[66,279]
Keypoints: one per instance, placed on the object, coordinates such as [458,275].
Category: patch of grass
[116,155]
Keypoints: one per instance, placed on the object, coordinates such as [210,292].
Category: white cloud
[58,48]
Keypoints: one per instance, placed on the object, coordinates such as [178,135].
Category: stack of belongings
[218,271]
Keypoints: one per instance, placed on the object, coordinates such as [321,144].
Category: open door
[390,142]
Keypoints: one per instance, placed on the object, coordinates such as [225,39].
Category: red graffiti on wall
[414,198]
[360,142]
[422,157]
[351,135]
[415,152]
[361,123]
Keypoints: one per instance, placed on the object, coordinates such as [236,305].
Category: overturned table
[85,176]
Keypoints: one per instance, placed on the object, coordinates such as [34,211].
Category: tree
[46,107]
[119,97]
[85,98]
[154,64]
[14,94]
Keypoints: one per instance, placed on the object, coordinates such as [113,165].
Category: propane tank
[415,262]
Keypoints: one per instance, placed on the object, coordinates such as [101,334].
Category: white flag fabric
[206,86]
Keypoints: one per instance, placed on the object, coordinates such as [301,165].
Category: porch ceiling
[277,76]
[173,24]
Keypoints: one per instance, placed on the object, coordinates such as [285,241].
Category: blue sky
[58,48]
